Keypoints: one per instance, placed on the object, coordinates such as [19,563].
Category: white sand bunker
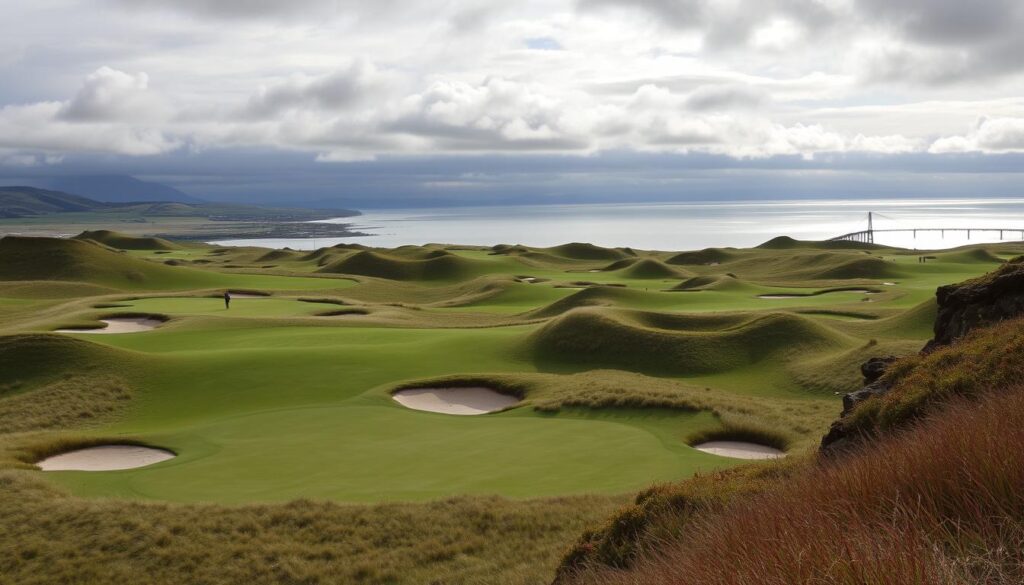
[105,458]
[121,325]
[461,401]
[248,296]
[740,450]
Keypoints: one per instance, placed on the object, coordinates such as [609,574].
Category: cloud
[112,112]
[990,135]
[945,22]
[108,94]
[725,97]
[334,91]
[257,8]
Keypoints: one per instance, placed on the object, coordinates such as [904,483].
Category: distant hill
[28,201]
[117,189]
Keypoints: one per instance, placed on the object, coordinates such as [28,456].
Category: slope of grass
[126,242]
[585,338]
[442,266]
[938,504]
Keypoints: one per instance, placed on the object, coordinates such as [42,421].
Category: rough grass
[939,504]
[50,537]
[65,403]
[985,359]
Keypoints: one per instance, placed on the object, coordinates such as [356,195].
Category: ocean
[680,226]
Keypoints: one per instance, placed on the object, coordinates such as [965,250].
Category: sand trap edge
[455,400]
[109,457]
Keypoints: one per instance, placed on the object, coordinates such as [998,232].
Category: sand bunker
[248,296]
[121,325]
[105,458]
[461,401]
[739,450]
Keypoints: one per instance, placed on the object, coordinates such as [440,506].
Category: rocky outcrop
[962,308]
[979,302]
[840,436]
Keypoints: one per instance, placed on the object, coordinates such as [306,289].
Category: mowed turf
[268,401]
[278,413]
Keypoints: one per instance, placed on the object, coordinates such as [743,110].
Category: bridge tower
[871,228]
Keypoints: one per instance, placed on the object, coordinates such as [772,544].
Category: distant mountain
[29,201]
[117,189]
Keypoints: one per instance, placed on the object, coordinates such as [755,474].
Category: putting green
[368,453]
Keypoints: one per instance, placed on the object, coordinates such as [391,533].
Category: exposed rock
[963,307]
[840,437]
[875,368]
[979,302]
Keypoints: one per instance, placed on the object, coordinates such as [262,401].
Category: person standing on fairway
[227,300]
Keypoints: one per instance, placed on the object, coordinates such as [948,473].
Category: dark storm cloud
[274,177]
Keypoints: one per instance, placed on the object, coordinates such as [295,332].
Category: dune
[105,458]
[657,343]
[125,241]
[707,256]
[580,251]
[458,401]
[376,264]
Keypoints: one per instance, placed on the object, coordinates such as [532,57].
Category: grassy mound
[651,343]
[802,266]
[972,255]
[579,251]
[865,268]
[38,357]
[80,261]
[649,268]
[278,256]
[788,243]
[702,257]
[443,266]
[717,282]
[589,297]
[126,242]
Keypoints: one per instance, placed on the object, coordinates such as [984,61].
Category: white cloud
[990,135]
[108,94]
[336,79]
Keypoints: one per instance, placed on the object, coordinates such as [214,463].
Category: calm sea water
[678,226]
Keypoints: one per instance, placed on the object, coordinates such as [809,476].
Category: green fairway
[370,453]
[620,358]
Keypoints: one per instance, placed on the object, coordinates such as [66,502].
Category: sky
[416,102]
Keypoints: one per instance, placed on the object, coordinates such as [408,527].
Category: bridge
[868,236]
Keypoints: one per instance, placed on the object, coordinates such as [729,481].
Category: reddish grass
[940,503]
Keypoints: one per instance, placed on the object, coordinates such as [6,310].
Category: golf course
[440,413]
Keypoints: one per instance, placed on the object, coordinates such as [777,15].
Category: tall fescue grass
[47,537]
[941,503]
